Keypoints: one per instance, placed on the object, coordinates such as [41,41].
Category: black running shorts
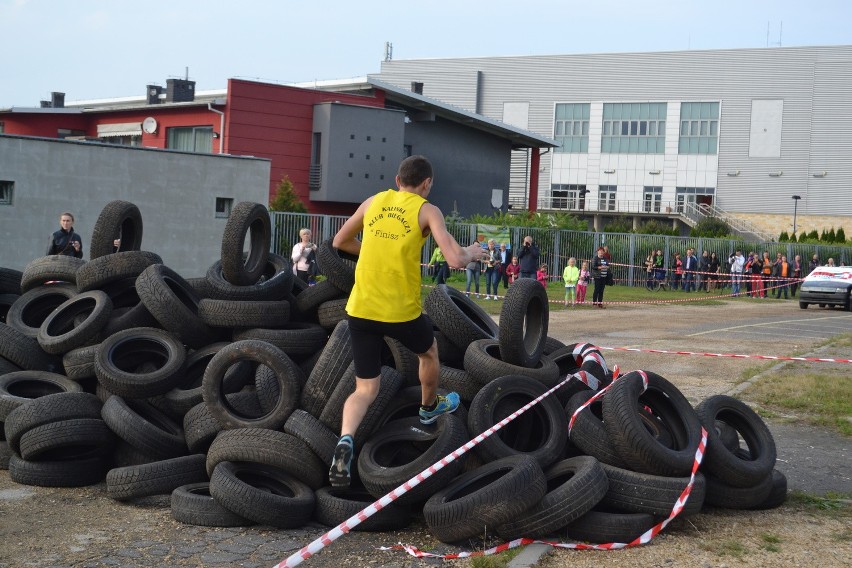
[368,340]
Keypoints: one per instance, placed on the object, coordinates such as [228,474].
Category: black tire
[335,505]
[6,454]
[588,432]
[404,448]
[332,414]
[31,309]
[10,281]
[459,381]
[720,494]
[551,344]
[293,338]
[266,386]
[55,267]
[778,495]
[566,362]
[484,360]
[79,363]
[335,359]
[192,504]
[263,494]
[251,218]
[485,498]
[541,432]
[66,439]
[265,354]
[268,447]
[275,283]
[313,433]
[524,319]
[128,310]
[652,494]
[111,268]
[404,360]
[46,409]
[201,286]
[574,486]
[727,435]
[118,219]
[309,300]
[25,352]
[66,473]
[118,357]
[155,478]
[60,332]
[174,304]
[458,317]
[638,447]
[337,266]
[201,428]
[721,462]
[448,353]
[21,387]
[238,313]
[6,303]
[602,525]
[144,427]
[330,313]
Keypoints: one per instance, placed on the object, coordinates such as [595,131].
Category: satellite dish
[149,125]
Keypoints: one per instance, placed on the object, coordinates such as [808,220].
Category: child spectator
[513,270]
[571,275]
[541,275]
[583,282]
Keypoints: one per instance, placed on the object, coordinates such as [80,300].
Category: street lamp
[796,199]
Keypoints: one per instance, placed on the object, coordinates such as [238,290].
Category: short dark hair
[414,170]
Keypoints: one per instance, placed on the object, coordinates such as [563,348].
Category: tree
[813,235]
[840,236]
[784,237]
[831,236]
[792,237]
[286,198]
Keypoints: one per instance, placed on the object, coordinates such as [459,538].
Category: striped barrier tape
[644,538]
[329,537]
[733,355]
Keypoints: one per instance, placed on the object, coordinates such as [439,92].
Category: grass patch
[823,399]
[831,504]
[726,547]
[495,560]
[770,542]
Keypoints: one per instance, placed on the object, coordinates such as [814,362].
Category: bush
[286,198]
[792,237]
[564,221]
[784,237]
[710,227]
[655,227]
[620,224]
[813,235]
[831,236]
[840,236]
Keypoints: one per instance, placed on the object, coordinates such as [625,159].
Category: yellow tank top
[387,276]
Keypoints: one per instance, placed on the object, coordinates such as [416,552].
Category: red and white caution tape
[356,519]
[733,355]
[644,538]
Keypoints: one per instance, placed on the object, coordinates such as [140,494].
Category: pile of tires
[227,391]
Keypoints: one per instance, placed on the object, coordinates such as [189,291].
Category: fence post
[632,258]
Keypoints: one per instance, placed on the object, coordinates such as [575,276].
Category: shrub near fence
[556,246]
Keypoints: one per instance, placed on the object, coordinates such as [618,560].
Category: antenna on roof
[388,51]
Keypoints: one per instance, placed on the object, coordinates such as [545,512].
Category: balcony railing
[642,206]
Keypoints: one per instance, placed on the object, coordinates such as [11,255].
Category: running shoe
[445,405]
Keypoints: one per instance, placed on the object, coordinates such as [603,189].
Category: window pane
[586,111]
[576,128]
[693,145]
[693,128]
[684,128]
[607,111]
[634,146]
[584,145]
[607,127]
[585,128]
[714,110]
[652,128]
[703,146]
[625,128]
[643,128]
[695,110]
[616,110]
[703,128]
[560,128]
[661,127]
[642,148]
[644,111]
[634,110]
[713,144]
[714,127]
[606,144]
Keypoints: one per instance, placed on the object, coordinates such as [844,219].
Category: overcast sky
[111,48]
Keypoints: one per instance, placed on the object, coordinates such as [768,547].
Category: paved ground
[83,528]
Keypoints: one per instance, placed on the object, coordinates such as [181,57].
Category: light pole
[796,199]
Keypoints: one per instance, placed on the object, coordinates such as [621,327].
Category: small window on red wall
[191,139]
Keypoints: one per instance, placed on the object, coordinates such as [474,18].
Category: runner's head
[413,171]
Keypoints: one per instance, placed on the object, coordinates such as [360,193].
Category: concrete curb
[745,384]
[529,556]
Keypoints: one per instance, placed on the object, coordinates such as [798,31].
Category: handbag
[609,279]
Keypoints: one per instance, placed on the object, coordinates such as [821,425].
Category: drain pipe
[221,122]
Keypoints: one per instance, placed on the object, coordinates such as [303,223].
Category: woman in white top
[303,254]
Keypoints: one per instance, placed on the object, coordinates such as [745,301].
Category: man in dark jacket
[505,261]
[528,258]
[65,241]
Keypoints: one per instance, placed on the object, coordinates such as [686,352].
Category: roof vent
[57,100]
[180,90]
[152,94]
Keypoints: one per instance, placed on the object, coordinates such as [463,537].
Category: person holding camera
[528,258]
[65,241]
[304,256]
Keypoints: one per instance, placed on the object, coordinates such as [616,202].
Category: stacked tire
[226,392]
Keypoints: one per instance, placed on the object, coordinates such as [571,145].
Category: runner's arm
[456,256]
[346,238]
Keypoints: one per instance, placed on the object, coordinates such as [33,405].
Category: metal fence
[628,250]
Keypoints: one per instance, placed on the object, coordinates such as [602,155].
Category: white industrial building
[738,130]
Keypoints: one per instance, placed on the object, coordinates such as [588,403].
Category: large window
[191,139]
[571,128]
[653,199]
[687,197]
[606,198]
[568,196]
[634,128]
[7,189]
[699,128]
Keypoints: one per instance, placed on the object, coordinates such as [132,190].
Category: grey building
[184,198]
[740,130]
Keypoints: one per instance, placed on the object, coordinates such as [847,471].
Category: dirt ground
[84,528]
